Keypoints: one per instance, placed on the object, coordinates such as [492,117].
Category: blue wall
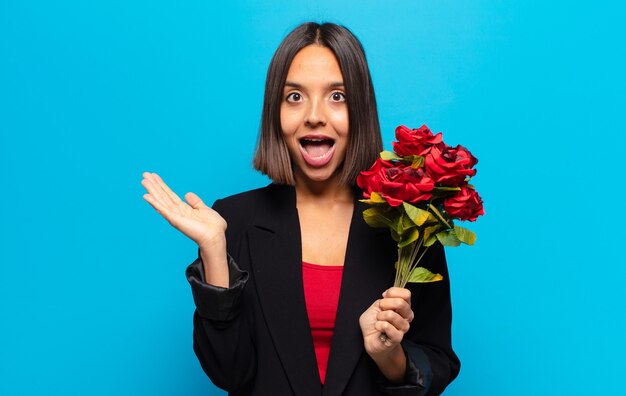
[93,298]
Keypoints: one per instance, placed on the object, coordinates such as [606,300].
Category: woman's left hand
[391,316]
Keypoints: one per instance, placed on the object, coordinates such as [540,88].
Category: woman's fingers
[398,305]
[193,218]
[150,185]
[399,300]
[390,331]
[194,201]
[167,204]
[154,191]
[395,314]
[398,292]
[171,194]
[159,189]
[394,319]
[155,204]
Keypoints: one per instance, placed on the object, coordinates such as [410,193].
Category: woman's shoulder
[257,195]
[242,206]
[244,209]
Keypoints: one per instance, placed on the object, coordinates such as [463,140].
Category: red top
[321,293]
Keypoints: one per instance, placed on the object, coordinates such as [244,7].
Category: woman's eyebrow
[292,84]
[334,84]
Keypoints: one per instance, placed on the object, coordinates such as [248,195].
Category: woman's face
[314,114]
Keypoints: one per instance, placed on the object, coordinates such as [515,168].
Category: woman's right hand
[195,219]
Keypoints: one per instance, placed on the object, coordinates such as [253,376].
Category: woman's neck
[323,192]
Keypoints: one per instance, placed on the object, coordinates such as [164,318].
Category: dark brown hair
[364,141]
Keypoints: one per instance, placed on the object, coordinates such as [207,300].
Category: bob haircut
[364,141]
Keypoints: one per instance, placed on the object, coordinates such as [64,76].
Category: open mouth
[317,151]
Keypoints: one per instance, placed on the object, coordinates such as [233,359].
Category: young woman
[289,277]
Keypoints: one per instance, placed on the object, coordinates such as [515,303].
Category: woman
[288,295]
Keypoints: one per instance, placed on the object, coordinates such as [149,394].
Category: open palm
[193,218]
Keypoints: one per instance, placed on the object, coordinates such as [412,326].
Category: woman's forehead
[317,64]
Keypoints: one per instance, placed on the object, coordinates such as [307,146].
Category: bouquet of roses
[417,191]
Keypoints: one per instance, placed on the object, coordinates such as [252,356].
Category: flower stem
[438,214]
[399,268]
[409,263]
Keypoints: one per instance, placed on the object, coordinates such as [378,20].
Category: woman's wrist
[215,262]
[392,363]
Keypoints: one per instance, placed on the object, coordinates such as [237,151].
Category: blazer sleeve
[431,361]
[222,328]
[215,303]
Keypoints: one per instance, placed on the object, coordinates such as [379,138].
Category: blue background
[93,298]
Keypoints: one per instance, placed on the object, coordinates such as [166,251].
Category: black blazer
[254,337]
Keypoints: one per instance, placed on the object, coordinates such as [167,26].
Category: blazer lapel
[367,272]
[276,262]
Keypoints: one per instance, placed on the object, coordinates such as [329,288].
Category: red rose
[415,141]
[396,182]
[450,165]
[465,205]
[371,180]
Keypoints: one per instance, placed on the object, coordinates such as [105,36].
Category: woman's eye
[338,97]
[294,97]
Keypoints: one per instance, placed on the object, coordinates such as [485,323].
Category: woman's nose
[315,114]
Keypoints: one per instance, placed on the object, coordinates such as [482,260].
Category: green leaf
[389,155]
[380,217]
[445,189]
[375,199]
[406,222]
[395,235]
[416,161]
[430,240]
[448,238]
[408,237]
[466,236]
[422,275]
[430,231]
[417,215]
[441,216]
